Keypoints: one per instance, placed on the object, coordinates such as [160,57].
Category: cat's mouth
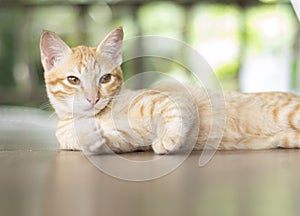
[92,110]
[102,105]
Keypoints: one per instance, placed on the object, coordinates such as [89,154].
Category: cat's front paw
[159,148]
[97,147]
[165,145]
[68,142]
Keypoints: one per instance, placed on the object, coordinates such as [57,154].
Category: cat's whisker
[45,105]
[51,116]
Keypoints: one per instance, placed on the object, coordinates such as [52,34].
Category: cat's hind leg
[289,139]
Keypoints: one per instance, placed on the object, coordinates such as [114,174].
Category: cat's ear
[111,46]
[53,50]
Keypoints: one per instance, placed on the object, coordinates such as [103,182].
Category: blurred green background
[251,45]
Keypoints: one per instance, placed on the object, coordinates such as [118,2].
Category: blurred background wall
[252,45]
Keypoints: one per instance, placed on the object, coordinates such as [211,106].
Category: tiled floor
[233,183]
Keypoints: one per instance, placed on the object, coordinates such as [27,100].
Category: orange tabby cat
[97,113]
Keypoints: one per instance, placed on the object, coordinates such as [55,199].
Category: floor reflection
[232,183]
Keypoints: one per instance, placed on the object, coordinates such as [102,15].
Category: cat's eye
[105,78]
[73,80]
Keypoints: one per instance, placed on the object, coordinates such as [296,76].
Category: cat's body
[97,113]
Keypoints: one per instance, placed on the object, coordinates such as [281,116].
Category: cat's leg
[93,139]
[116,142]
[173,124]
[66,136]
[170,139]
[287,140]
[97,141]
[82,134]
[290,139]
[251,143]
[90,135]
[104,142]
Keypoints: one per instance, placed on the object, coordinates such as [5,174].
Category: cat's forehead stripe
[85,57]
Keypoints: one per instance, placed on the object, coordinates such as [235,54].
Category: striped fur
[99,114]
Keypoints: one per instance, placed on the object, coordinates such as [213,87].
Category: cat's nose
[93,101]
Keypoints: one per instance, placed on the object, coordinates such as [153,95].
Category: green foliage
[270,26]
[226,35]
[8,34]
[228,71]
[163,18]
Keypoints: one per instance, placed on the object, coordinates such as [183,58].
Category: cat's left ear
[111,46]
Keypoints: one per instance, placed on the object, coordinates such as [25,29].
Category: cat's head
[81,80]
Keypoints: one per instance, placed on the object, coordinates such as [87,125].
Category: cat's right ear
[53,50]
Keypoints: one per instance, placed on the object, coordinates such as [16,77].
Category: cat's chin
[86,113]
[92,111]
[101,106]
